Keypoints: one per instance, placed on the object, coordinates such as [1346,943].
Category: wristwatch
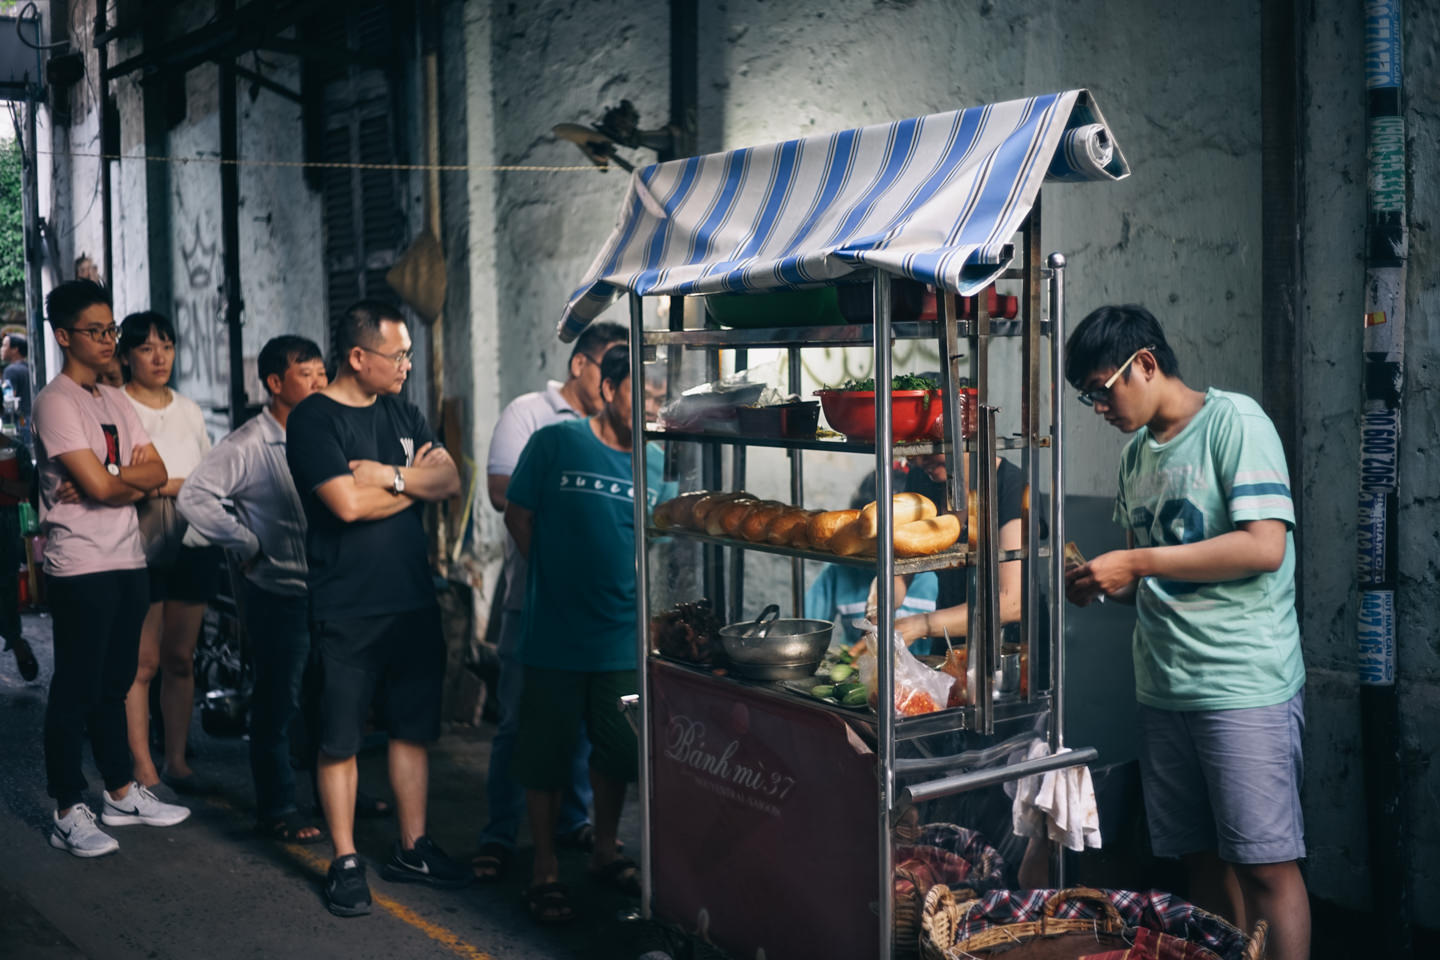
[113,469]
[397,486]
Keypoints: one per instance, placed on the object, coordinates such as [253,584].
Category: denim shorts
[1226,781]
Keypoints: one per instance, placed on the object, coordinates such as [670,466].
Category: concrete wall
[1180,88]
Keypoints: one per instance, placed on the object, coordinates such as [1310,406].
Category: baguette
[700,512]
[758,520]
[785,523]
[921,538]
[825,525]
[800,532]
[908,507]
[676,511]
[972,508]
[726,521]
[850,540]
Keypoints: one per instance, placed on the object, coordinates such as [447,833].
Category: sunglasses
[1101,394]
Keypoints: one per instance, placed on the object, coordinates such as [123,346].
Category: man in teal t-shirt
[571,509]
[1204,497]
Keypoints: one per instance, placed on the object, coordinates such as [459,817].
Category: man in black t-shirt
[363,461]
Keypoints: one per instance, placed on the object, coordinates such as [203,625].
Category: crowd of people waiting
[138,513]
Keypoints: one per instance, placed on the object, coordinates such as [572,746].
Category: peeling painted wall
[1180,87]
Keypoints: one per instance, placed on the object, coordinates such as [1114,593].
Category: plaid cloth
[1151,910]
[957,857]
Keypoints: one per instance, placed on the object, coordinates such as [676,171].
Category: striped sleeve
[1251,465]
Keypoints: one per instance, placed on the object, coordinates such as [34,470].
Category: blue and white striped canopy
[936,198]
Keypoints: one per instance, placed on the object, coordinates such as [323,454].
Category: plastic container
[792,421]
[782,308]
[914,414]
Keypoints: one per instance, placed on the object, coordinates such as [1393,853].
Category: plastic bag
[918,689]
[710,407]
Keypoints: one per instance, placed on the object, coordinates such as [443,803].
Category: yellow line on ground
[395,908]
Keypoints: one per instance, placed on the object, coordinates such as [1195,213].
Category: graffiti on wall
[201,360]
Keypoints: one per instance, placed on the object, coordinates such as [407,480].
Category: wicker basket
[1048,938]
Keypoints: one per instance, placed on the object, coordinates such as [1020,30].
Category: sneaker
[346,892]
[141,806]
[426,863]
[77,833]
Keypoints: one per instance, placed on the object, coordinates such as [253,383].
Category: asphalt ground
[211,887]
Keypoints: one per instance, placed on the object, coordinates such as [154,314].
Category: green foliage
[901,381]
[12,224]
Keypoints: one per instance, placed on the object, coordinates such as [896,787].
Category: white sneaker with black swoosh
[141,806]
[76,833]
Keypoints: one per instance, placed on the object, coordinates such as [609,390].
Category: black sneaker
[426,863]
[346,892]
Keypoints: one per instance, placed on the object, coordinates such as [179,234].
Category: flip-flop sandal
[368,807]
[582,838]
[25,660]
[622,873]
[284,832]
[549,904]
[491,862]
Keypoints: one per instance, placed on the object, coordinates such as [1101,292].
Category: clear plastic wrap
[918,688]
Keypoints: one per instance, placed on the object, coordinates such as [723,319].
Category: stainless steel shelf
[956,556]
[835,444]
[827,335]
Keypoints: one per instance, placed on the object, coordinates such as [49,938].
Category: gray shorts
[1226,781]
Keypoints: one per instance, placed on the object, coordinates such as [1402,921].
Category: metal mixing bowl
[788,650]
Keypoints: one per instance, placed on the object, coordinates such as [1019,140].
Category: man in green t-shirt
[1204,497]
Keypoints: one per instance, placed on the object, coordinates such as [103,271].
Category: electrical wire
[35,18]
[335,165]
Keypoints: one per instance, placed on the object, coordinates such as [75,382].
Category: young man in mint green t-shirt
[1204,497]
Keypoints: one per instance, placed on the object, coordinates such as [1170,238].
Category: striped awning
[936,198]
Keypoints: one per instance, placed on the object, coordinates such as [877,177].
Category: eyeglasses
[1101,394]
[399,357]
[99,334]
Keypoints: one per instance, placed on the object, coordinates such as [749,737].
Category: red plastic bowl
[852,412]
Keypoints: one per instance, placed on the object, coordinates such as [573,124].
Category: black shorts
[400,654]
[194,577]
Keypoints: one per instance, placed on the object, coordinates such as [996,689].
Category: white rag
[1058,805]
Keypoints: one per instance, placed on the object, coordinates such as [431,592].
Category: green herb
[904,381]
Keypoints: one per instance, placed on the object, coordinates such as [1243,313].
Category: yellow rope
[328,165]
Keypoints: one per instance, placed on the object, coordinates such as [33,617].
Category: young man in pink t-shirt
[95,461]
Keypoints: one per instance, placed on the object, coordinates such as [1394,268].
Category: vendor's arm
[521,524]
[1256,547]
[956,620]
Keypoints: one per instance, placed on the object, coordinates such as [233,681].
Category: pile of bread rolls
[920,529]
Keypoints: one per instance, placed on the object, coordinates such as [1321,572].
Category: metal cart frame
[982,712]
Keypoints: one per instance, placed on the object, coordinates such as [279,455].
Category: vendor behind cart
[928,475]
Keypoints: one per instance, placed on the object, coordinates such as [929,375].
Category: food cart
[771,820]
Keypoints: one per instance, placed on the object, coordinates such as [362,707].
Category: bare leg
[335,780]
[609,802]
[1213,887]
[544,809]
[177,691]
[137,701]
[1275,893]
[410,780]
